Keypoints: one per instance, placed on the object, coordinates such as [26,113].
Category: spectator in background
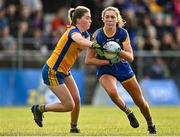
[158,24]
[24,21]
[142,31]
[48,39]
[151,43]
[4,22]
[25,35]
[37,42]
[176,13]
[12,17]
[168,25]
[37,20]
[154,7]
[32,5]
[168,42]
[24,14]
[159,69]
[7,42]
[146,22]
[131,25]
[59,23]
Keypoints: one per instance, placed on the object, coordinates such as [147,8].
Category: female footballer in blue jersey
[56,72]
[118,69]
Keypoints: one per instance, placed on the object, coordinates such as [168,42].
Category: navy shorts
[122,71]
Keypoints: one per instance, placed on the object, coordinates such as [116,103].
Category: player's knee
[69,106]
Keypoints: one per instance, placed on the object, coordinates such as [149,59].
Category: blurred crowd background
[30,29]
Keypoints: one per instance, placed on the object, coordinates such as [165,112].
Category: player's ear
[78,20]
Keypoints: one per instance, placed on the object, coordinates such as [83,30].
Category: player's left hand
[98,49]
[100,52]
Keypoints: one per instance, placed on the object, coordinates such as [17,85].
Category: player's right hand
[98,49]
[100,52]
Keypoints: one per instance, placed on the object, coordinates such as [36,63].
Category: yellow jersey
[66,51]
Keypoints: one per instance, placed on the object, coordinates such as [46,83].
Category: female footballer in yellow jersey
[56,72]
[66,52]
[118,70]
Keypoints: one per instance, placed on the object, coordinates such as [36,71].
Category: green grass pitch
[94,121]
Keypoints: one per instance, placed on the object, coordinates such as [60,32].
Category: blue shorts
[122,71]
[52,77]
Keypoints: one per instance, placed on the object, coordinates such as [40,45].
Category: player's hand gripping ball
[111,50]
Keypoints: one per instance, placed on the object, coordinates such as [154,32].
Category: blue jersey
[122,70]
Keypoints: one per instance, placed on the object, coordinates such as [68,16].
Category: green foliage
[94,121]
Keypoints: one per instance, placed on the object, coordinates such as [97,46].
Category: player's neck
[81,29]
[109,32]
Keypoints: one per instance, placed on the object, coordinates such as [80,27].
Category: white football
[109,55]
[110,48]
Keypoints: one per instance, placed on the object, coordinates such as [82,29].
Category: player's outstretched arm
[77,37]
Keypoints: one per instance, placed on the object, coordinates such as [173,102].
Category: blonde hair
[75,13]
[121,21]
